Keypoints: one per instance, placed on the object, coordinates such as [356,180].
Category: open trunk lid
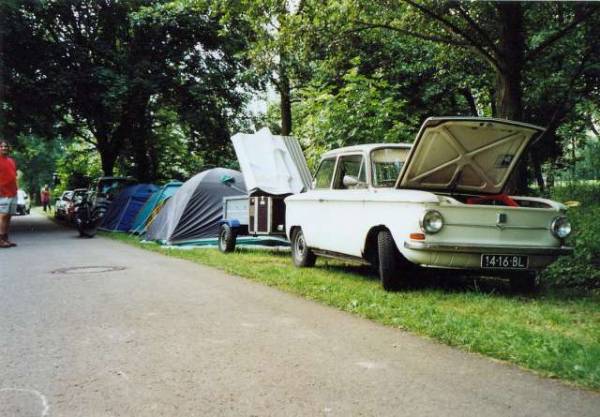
[272,164]
[471,155]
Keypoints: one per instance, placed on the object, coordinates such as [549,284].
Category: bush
[582,269]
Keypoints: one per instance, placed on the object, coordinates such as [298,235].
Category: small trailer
[273,168]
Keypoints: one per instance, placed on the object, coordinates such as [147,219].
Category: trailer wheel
[227,237]
[390,260]
[301,254]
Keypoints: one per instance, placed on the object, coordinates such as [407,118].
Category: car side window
[324,173]
[351,173]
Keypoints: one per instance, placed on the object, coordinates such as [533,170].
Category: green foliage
[582,269]
[105,69]
[147,81]
[363,110]
[36,160]
[535,62]
[78,165]
[588,168]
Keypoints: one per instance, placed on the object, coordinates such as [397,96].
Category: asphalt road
[164,337]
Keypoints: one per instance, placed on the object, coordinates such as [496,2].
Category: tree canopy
[158,87]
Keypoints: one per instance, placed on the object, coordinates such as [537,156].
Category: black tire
[390,263]
[524,282]
[302,256]
[88,231]
[87,224]
[227,237]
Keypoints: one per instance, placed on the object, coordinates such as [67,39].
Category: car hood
[466,154]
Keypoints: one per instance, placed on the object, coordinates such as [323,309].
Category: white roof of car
[364,148]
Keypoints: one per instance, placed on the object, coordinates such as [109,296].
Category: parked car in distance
[60,207]
[76,197]
[439,203]
[106,189]
[23,203]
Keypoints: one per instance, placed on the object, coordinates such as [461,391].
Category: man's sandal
[5,244]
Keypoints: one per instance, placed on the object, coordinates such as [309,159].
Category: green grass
[554,334]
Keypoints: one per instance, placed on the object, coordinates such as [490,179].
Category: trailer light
[560,227]
[417,236]
[432,221]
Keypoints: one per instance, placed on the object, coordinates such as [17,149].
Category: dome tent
[196,209]
[153,206]
[126,205]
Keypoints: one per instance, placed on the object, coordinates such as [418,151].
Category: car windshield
[386,164]
[107,186]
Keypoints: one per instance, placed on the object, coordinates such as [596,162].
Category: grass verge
[554,334]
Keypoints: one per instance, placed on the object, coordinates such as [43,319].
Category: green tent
[154,204]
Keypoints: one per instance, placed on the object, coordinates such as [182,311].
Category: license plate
[504,261]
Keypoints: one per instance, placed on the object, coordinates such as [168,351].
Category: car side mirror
[349,181]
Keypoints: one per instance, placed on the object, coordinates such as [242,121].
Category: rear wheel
[524,282]
[301,254]
[227,237]
[390,261]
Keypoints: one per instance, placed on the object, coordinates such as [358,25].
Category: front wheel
[88,221]
[390,262]
[301,254]
[87,229]
[227,239]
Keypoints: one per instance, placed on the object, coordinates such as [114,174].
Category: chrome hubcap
[300,246]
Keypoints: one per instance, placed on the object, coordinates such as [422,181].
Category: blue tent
[124,208]
[149,211]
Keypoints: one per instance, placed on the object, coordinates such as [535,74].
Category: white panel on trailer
[272,164]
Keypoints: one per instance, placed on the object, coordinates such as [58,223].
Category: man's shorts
[8,205]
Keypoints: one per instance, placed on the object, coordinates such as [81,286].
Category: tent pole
[122,213]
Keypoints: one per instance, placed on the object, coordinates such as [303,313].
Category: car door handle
[321,200]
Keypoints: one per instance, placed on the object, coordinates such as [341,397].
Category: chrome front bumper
[495,249]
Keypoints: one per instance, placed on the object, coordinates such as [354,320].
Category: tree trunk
[551,175]
[285,103]
[508,86]
[537,169]
[511,60]
[466,92]
[108,157]
[140,139]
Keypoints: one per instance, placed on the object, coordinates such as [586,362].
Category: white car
[60,207]
[438,203]
[23,203]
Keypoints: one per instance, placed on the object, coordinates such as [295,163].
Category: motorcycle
[88,216]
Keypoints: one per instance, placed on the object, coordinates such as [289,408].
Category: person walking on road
[45,197]
[8,193]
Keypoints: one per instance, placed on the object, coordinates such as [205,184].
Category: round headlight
[561,227]
[432,221]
